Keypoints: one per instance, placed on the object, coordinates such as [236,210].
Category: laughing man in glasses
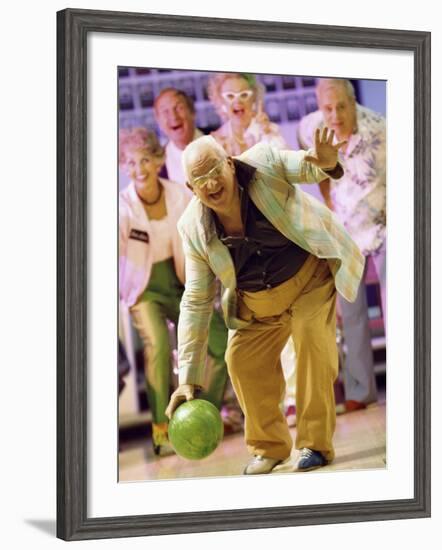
[281,256]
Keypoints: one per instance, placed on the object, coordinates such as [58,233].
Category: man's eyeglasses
[201,181]
[242,96]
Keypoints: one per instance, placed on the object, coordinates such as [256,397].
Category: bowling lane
[359,442]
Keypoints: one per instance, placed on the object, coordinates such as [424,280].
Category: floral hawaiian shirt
[359,197]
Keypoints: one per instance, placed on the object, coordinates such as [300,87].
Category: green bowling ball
[196,429]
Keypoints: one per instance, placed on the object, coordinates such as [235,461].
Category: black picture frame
[73,27]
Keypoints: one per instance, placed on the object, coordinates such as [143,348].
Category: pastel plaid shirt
[296,214]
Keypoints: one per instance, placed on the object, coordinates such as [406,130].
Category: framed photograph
[180,106]
[112,68]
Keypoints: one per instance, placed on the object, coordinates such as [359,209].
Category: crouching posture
[280,256]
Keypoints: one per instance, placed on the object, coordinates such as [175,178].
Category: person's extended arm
[195,312]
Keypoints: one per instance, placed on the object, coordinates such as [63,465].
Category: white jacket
[135,250]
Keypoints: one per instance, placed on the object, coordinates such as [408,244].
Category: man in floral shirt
[359,200]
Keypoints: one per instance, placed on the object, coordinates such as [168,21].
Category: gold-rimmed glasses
[201,181]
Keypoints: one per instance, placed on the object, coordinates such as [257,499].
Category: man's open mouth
[217,194]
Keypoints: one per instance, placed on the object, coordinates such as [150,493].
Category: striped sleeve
[195,313]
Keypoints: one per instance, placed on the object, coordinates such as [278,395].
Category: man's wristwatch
[335,173]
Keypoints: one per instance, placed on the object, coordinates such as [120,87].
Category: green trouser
[158,303]
[216,382]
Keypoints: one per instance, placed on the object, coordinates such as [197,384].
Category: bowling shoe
[310,460]
[160,440]
[163,450]
[350,406]
[262,465]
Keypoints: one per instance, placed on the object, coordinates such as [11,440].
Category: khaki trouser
[305,307]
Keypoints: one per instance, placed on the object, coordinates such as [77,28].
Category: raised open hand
[263,119]
[326,154]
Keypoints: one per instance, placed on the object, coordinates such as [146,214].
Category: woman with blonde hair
[151,271]
[238,99]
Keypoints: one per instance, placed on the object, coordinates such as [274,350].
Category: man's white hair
[324,83]
[199,148]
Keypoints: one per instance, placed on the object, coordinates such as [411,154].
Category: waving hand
[326,154]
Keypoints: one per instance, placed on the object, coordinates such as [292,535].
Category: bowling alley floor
[360,443]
